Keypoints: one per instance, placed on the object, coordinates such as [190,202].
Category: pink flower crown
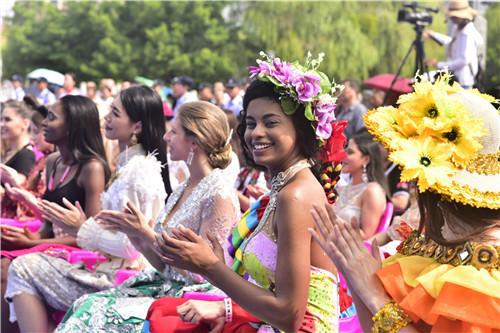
[302,85]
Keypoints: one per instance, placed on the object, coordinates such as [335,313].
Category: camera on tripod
[416,14]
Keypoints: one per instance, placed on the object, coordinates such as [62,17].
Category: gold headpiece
[446,139]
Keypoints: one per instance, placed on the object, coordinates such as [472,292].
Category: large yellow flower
[425,160]
[462,137]
[382,123]
[432,111]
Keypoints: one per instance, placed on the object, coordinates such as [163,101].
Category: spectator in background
[69,87]
[92,91]
[235,102]
[18,157]
[35,180]
[105,99]
[181,85]
[462,45]
[350,108]
[17,82]
[220,95]
[364,198]
[125,85]
[205,92]
[377,98]
[158,88]
[399,191]
[44,95]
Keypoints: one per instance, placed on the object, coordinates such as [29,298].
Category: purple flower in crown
[283,71]
[263,68]
[307,86]
[325,104]
[324,112]
[324,131]
[324,126]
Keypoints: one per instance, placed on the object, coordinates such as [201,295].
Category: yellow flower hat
[445,138]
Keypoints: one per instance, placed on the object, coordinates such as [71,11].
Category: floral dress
[213,205]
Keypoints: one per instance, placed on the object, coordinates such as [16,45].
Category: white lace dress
[60,283]
[212,205]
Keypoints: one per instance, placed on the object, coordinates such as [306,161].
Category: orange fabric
[456,309]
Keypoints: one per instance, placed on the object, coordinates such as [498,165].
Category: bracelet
[390,319]
[228,305]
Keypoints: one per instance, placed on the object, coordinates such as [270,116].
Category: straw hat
[445,138]
[460,9]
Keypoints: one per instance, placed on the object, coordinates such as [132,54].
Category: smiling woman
[287,120]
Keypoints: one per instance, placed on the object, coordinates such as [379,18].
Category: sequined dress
[212,205]
[60,283]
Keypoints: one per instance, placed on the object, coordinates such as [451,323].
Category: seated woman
[293,286]
[444,279]
[77,172]
[35,181]
[135,121]
[205,203]
[17,154]
[364,199]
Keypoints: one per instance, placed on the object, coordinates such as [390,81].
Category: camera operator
[462,46]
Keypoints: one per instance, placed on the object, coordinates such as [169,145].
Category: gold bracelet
[390,319]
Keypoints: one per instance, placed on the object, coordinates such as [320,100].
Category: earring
[190,156]
[364,176]
[133,140]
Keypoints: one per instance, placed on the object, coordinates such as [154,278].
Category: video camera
[416,14]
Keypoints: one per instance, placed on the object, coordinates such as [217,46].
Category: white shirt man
[180,91]
[462,55]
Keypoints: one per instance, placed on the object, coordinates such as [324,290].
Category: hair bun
[220,158]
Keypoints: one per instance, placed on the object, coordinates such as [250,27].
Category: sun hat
[460,9]
[444,138]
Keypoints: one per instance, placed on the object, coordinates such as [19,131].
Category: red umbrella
[383,82]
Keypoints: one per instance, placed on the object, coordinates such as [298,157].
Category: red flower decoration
[333,149]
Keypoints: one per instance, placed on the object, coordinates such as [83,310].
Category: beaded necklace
[277,183]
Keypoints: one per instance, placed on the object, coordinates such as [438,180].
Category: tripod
[418,45]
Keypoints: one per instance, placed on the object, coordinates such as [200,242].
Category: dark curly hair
[307,143]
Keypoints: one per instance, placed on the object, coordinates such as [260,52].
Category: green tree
[122,39]
[359,38]
[492,71]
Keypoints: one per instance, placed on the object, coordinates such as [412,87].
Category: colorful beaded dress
[259,254]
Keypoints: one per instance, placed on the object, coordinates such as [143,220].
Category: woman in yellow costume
[445,276]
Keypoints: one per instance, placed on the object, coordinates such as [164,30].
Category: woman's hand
[255,191]
[196,312]
[69,219]
[18,238]
[131,222]
[187,250]
[21,195]
[11,176]
[431,62]
[343,243]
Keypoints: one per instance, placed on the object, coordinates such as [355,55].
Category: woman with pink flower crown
[278,278]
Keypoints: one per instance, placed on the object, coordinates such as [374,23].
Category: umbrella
[383,82]
[144,80]
[51,76]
